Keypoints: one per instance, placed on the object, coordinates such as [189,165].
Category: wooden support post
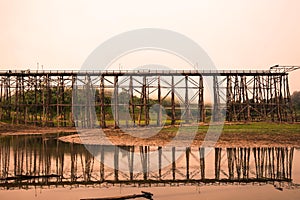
[230,158]
[73,162]
[147,161]
[236,97]
[131,161]
[243,109]
[202,162]
[280,99]
[187,103]
[255,93]
[201,114]
[144,151]
[132,107]
[40,101]
[62,102]
[263,91]
[92,114]
[74,108]
[6,98]
[49,108]
[89,107]
[102,153]
[173,163]
[240,105]
[290,162]
[57,104]
[261,97]
[272,97]
[218,157]
[102,102]
[216,109]
[229,99]
[267,95]
[17,103]
[187,157]
[23,100]
[256,158]
[159,161]
[146,116]
[43,100]
[9,98]
[116,102]
[173,115]
[247,163]
[116,163]
[245,98]
[35,101]
[159,113]
[277,104]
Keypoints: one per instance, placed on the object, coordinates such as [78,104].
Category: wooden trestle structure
[68,98]
[51,162]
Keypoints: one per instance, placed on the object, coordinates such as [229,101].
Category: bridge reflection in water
[27,161]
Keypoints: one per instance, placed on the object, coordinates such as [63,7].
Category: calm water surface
[42,167]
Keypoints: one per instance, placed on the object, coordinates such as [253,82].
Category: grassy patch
[254,127]
[262,127]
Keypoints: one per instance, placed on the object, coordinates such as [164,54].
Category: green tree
[296,100]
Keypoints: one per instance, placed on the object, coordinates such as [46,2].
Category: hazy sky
[236,34]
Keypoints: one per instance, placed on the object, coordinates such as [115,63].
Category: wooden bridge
[93,98]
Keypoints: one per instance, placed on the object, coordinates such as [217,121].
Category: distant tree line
[296,101]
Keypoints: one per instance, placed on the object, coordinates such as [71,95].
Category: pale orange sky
[235,34]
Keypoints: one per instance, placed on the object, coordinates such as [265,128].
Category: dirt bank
[13,129]
[166,137]
[233,135]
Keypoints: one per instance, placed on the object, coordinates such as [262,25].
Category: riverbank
[256,134]
[14,129]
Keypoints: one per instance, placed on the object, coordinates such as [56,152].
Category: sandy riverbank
[165,138]
[233,135]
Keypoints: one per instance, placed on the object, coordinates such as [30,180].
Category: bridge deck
[142,72]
